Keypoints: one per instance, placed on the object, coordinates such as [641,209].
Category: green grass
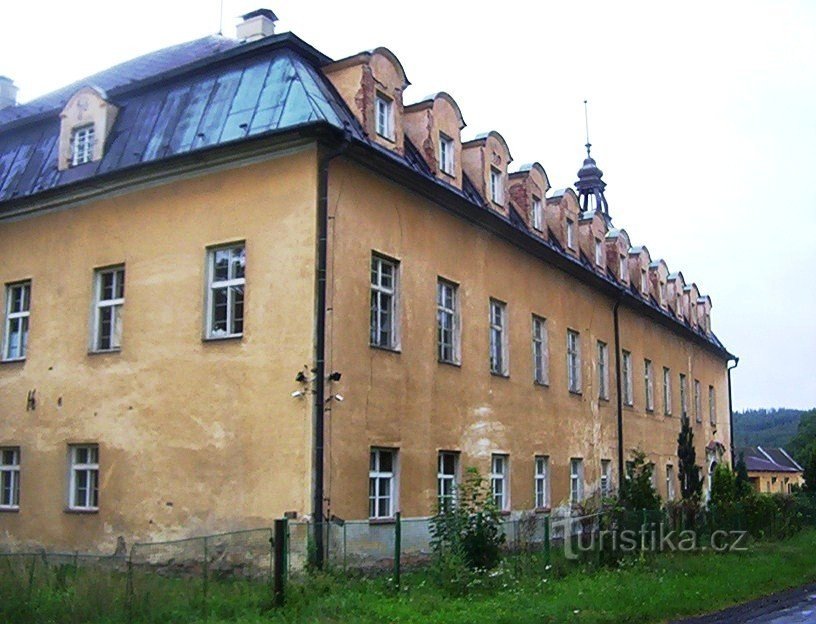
[648,590]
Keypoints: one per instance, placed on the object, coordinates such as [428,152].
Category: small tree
[691,484]
[723,488]
[637,491]
[744,488]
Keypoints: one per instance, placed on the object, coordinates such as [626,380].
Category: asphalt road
[795,606]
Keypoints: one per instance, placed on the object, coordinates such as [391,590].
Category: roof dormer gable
[617,254]
[592,228]
[528,188]
[85,124]
[658,278]
[561,215]
[485,160]
[434,126]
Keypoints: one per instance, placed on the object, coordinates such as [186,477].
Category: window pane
[219,317]
[386,461]
[237,293]
[221,259]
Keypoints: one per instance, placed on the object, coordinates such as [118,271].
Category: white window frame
[496,191]
[82,144]
[113,305]
[570,234]
[628,387]
[499,480]
[447,159]
[698,401]
[498,340]
[89,501]
[376,476]
[603,370]
[10,478]
[19,318]
[712,406]
[599,252]
[542,481]
[574,382]
[541,351]
[623,268]
[538,214]
[667,391]
[384,116]
[232,285]
[576,480]
[683,395]
[648,381]
[384,302]
[644,281]
[606,477]
[670,487]
[446,482]
[448,326]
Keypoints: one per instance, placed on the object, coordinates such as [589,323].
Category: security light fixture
[301,377]
[297,394]
[335,376]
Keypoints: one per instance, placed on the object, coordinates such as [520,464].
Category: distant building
[772,469]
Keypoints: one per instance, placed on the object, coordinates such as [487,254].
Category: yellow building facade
[226,301]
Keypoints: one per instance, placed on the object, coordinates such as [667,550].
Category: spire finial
[586,124]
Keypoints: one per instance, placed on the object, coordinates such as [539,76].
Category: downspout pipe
[619,387]
[319,408]
[731,414]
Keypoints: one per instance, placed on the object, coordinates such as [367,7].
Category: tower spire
[586,125]
[590,184]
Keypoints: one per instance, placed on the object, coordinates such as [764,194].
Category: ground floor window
[576,480]
[381,483]
[498,481]
[447,476]
[10,478]
[84,477]
[542,485]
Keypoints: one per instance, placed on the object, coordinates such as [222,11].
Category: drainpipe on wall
[619,386]
[320,340]
[731,415]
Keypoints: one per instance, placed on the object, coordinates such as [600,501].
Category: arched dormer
[528,188]
[372,84]
[704,313]
[639,261]
[434,126]
[675,285]
[658,278]
[693,296]
[592,228]
[484,161]
[561,214]
[617,255]
[85,123]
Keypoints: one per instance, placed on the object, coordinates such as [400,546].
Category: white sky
[702,116]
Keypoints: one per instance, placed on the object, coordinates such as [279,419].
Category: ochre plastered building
[188,245]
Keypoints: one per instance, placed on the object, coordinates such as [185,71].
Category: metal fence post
[129,589]
[279,542]
[206,574]
[547,522]
[397,550]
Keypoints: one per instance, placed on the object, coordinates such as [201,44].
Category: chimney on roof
[8,93]
[257,24]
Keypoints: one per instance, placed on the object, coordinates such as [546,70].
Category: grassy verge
[648,590]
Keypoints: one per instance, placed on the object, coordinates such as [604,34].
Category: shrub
[637,492]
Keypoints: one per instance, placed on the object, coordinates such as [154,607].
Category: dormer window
[624,269]
[495,186]
[662,293]
[82,141]
[644,282]
[599,253]
[446,155]
[570,234]
[385,117]
[538,214]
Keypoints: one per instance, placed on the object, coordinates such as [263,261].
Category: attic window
[446,161]
[537,216]
[82,141]
[644,282]
[599,254]
[385,117]
[624,269]
[495,186]
[570,234]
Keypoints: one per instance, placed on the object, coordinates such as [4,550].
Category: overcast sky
[702,117]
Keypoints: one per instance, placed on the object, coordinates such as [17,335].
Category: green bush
[637,492]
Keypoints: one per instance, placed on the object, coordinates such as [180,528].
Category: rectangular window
[18,305]
[382,483]
[538,214]
[628,389]
[670,482]
[624,269]
[110,298]
[662,293]
[570,234]
[648,381]
[683,396]
[542,482]
[576,480]
[498,338]
[644,282]
[384,283]
[573,361]
[447,321]
[10,478]
[447,479]
[599,252]
[496,192]
[82,142]
[446,154]
[540,351]
[498,481]
[606,477]
[225,291]
[667,392]
[698,402]
[385,116]
[83,477]
[712,406]
[603,371]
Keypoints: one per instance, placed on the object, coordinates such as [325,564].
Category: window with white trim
[606,477]
[498,338]
[599,252]
[382,485]
[540,351]
[670,482]
[683,396]
[542,482]
[447,321]
[667,392]
[712,406]
[447,478]
[623,269]
[644,282]
[648,382]
[662,293]
[538,214]
[603,370]
[10,477]
[18,306]
[570,234]
[698,402]
[110,298]
[226,284]
[576,480]
[628,389]
[384,296]
[82,143]
[499,465]
[385,116]
[496,191]
[83,492]
[446,155]
[573,361]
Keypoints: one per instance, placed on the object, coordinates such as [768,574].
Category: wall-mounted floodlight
[297,394]
[335,376]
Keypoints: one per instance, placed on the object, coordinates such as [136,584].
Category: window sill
[669,415]
[222,338]
[542,510]
[576,393]
[505,513]
[650,410]
[104,351]
[541,384]
[387,349]
[450,174]
[449,363]
[500,375]
[10,509]
[12,360]
[81,511]
[604,399]
[386,138]
[378,521]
